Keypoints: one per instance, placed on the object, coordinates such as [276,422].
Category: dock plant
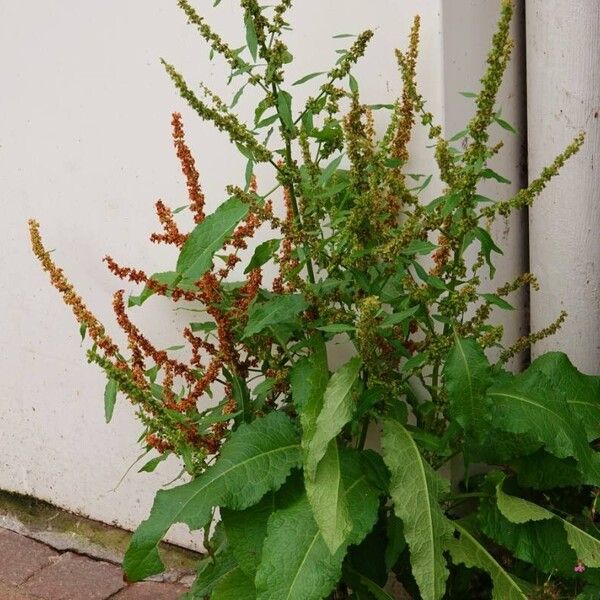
[421,461]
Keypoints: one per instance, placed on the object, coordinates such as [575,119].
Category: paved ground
[30,570]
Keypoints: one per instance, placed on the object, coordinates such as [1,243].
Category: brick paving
[30,570]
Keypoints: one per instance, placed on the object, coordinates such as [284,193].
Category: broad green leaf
[353,84]
[518,511]
[262,255]
[542,471]
[208,237]
[268,446]
[284,109]
[327,498]
[234,586]
[491,174]
[467,377]
[530,404]
[467,550]
[338,406]
[279,309]
[206,327]
[110,399]
[308,78]
[169,278]
[582,391]
[415,490]
[306,569]
[251,36]
[504,124]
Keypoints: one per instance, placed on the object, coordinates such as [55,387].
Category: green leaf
[518,511]
[234,586]
[490,174]
[329,170]
[211,573]
[337,328]
[151,465]
[582,391]
[327,498]
[308,77]
[415,490]
[338,406]
[487,247]
[530,404]
[467,550]
[459,135]
[169,278]
[284,109]
[468,94]
[268,446]
[263,254]
[279,309]
[110,398]
[206,327]
[504,124]
[419,247]
[251,36]
[397,318]
[497,301]
[467,374]
[208,237]
[353,84]
[306,569]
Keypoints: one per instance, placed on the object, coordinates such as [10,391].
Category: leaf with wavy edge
[296,562]
[468,551]
[235,586]
[415,490]
[268,446]
[530,404]
[467,375]
[519,511]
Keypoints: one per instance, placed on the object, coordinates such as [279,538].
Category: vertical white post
[563,77]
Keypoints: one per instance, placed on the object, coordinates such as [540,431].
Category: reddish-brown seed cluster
[188,166]
[171,234]
[287,262]
[440,256]
[57,278]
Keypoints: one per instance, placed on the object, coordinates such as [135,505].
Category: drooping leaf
[110,399]
[419,247]
[582,391]
[329,170]
[251,36]
[518,510]
[497,301]
[279,309]
[262,255]
[151,465]
[530,404]
[306,569]
[467,374]
[337,328]
[467,550]
[208,237]
[487,247]
[268,445]
[234,586]
[337,411]
[542,471]
[358,581]
[415,490]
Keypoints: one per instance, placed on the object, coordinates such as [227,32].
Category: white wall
[85,148]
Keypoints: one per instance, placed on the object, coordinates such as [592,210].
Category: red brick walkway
[30,570]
